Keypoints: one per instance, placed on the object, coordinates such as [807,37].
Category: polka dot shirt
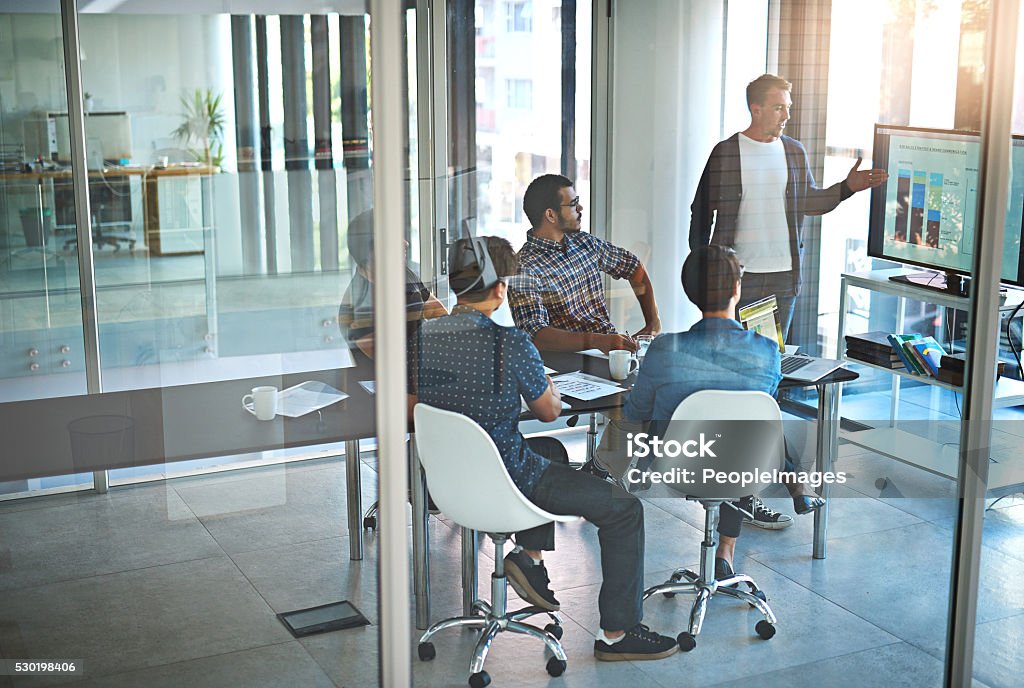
[471,365]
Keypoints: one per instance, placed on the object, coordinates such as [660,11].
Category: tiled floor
[178,583]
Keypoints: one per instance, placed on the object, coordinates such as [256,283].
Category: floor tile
[142,618]
[901,665]
[809,627]
[277,509]
[898,579]
[99,534]
[285,664]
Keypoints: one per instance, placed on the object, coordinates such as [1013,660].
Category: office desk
[191,422]
[829,392]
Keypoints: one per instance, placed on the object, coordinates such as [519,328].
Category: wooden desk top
[175,170]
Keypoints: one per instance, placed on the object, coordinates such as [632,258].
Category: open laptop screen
[762,317]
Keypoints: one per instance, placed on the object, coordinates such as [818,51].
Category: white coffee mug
[262,402]
[621,363]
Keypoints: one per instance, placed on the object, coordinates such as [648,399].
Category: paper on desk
[596,353]
[585,387]
[369,385]
[306,397]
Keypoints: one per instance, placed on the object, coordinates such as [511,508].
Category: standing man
[755,191]
[558,295]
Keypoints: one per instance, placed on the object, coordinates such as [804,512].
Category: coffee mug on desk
[262,402]
[621,363]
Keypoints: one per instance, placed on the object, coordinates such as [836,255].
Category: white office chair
[756,418]
[469,483]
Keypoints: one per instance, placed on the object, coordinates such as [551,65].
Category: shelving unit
[1006,472]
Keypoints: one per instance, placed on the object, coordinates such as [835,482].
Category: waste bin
[101,441]
[36,225]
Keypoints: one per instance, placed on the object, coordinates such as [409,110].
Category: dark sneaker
[595,469]
[639,644]
[764,516]
[723,570]
[530,581]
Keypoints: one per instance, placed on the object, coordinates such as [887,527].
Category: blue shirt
[471,365]
[716,353]
[559,283]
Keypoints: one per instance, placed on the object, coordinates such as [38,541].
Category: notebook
[763,317]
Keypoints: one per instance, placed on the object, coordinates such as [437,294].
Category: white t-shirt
[762,231]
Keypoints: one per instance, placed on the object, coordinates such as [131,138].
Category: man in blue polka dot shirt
[471,365]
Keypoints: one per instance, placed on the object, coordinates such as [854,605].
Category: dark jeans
[619,518]
[757,285]
[730,521]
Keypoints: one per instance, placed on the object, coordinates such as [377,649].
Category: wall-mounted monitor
[925,214]
[111,131]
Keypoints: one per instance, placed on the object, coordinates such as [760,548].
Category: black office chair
[100,239]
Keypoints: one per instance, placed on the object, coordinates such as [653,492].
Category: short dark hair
[757,90]
[506,263]
[360,239]
[709,276]
[541,194]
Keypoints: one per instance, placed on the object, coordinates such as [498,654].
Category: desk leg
[592,438]
[828,441]
[354,501]
[469,573]
[420,540]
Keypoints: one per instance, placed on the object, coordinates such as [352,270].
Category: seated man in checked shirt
[558,296]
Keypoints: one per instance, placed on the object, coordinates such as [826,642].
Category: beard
[570,226]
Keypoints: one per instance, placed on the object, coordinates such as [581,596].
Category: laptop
[762,317]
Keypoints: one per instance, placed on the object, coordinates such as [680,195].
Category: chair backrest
[742,433]
[466,477]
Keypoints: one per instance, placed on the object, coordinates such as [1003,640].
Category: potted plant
[202,123]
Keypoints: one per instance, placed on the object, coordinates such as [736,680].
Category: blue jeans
[757,285]
[619,517]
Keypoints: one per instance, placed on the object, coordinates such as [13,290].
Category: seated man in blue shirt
[716,353]
[471,365]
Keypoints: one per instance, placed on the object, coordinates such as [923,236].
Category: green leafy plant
[203,124]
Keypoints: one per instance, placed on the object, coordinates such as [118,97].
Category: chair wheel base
[686,641]
[555,630]
[480,679]
[556,666]
[426,652]
[759,594]
[765,629]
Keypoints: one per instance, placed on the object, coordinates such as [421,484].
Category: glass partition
[41,340]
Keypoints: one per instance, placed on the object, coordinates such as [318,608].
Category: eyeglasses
[572,204]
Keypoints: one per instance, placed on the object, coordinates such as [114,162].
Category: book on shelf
[929,352]
[897,342]
[883,361]
[870,343]
[873,348]
[951,369]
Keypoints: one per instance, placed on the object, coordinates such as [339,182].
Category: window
[519,94]
[519,16]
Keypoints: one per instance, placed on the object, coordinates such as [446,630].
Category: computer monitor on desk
[925,214]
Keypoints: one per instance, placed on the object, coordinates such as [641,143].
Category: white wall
[666,114]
